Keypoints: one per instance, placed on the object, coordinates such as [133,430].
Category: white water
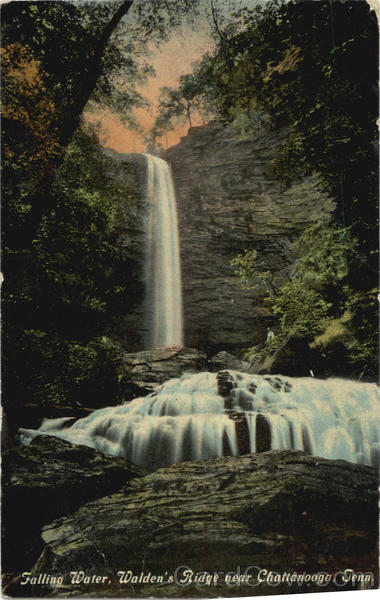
[187,420]
[163,272]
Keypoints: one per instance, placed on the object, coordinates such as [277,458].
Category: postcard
[190,298]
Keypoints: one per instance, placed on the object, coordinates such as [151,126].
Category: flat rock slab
[149,368]
[281,510]
[48,479]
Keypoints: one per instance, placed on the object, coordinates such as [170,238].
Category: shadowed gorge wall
[132,168]
[227,202]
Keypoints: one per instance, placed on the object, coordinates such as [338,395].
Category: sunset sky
[172,60]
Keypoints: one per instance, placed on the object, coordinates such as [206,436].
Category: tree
[91,55]
[314,299]
[312,67]
[183,102]
[26,102]
[302,310]
[253,274]
[68,77]
[161,127]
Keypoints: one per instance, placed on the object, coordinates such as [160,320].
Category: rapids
[188,419]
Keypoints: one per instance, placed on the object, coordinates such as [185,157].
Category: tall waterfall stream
[163,269]
[187,419]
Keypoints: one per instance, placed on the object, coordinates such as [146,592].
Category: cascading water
[209,415]
[163,272]
[187,419]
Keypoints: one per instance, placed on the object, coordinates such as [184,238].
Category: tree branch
[90,73]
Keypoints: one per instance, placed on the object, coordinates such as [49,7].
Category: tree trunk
[188,111]
[91,71]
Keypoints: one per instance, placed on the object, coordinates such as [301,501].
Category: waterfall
[187,419]
[163,271]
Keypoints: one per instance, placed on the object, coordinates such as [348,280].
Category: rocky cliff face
[226,203]
[150,368]
[280,511]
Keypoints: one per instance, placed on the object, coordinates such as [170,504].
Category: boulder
[149,368]
[48,479]
[225,360]
[282,511]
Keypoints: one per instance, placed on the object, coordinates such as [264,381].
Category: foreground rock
[149,368]
[48,479]
[281,511]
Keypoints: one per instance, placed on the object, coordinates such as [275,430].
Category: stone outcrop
[227,202]
[48,479]
[149,368]
[281,511]
[225,360]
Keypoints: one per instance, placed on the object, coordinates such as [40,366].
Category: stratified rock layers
[227,202]
[280,510]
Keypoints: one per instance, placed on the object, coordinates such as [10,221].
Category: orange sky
[173,59]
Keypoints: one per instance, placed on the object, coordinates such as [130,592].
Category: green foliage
[156,20]
[76,28]
[46,91]
[315,300]
[254,354]
[364,341]
[58,371]
[286,62]
[324,255]
[71,287]
[67,282]
[354,332]
[248,268]
[301,310]
[312,67]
